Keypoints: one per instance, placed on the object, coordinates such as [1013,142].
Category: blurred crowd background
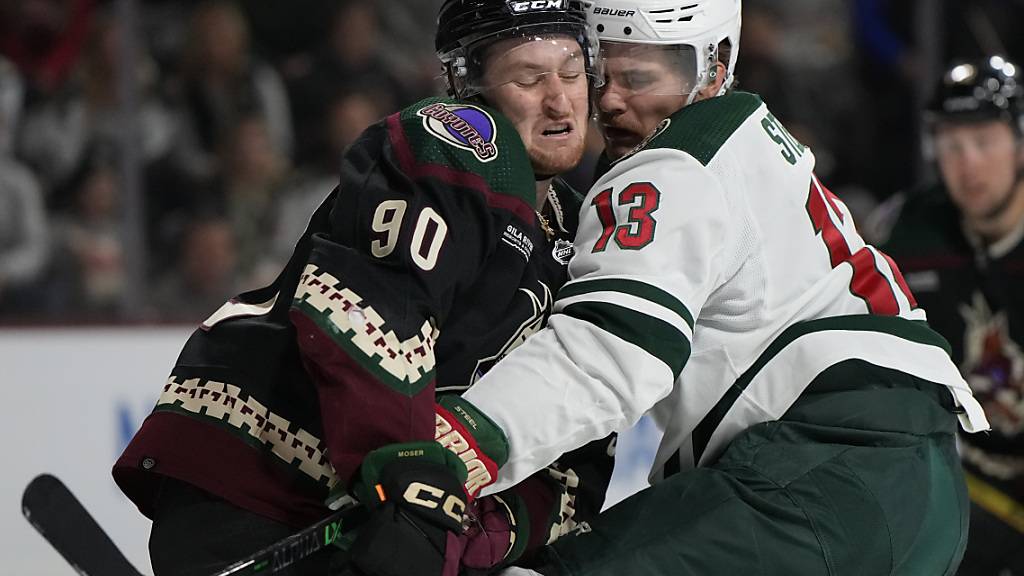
[159,156]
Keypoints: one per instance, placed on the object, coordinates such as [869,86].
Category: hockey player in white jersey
[809,412]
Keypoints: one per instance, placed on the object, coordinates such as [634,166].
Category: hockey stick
[995,502]
[62,520]
[56,514]
[338,528]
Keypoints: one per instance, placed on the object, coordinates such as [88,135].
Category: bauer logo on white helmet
[599,11]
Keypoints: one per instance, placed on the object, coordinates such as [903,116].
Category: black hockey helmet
[465,28]
[979,90]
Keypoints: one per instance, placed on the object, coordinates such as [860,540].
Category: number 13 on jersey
[643,198]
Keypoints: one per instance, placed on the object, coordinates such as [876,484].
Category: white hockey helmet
[693,26]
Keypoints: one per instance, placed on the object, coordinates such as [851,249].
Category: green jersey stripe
[657,337]
[630,302]
[632,287]
[911,330]
[702,128]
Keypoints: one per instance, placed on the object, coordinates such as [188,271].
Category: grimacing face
[643,86]
[979,163]
[540,84]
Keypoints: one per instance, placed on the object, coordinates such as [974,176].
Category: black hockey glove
[415,495]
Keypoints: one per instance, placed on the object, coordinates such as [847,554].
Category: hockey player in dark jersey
[436,255]
[960,244]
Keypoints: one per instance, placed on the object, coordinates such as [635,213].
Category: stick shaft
[336,528]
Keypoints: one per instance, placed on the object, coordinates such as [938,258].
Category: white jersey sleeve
[621,329]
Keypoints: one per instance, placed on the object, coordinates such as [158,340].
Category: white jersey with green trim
[714,278]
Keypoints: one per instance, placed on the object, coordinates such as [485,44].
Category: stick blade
[62,520]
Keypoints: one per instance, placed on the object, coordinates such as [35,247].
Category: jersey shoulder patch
[702,128]
[456,137]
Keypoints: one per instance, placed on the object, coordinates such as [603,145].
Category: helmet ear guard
[455,72]
[712,52]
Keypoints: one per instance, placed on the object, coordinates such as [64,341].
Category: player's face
[979,164]
[643,86]
[540,84]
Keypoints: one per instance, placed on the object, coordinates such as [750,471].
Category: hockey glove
[415,495]
[478,442]
[493,537]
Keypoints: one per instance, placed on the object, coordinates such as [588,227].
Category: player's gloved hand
[492,536]
[477,441]
[415,495]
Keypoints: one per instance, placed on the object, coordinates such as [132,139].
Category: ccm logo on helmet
[613,12]
[429,497]
[519,7]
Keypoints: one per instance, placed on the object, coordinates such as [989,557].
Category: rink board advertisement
[74,397]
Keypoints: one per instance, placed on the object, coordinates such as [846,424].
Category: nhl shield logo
[563,251]
[463,126]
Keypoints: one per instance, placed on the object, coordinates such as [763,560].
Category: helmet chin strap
[704,83]
[693,95]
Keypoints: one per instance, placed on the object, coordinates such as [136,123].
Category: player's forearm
[574,383]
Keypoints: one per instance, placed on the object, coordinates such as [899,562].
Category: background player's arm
[654,242]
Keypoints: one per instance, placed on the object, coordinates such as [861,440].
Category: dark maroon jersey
[424,267]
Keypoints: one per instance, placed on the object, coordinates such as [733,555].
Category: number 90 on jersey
[428,235]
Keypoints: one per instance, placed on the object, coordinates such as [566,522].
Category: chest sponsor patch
[518,240]
[463,126]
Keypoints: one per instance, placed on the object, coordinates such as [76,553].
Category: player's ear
[715,86]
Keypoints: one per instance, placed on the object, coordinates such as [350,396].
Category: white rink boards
[73,397]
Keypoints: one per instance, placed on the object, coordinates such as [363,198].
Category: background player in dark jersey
[437,254]
[959,243]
